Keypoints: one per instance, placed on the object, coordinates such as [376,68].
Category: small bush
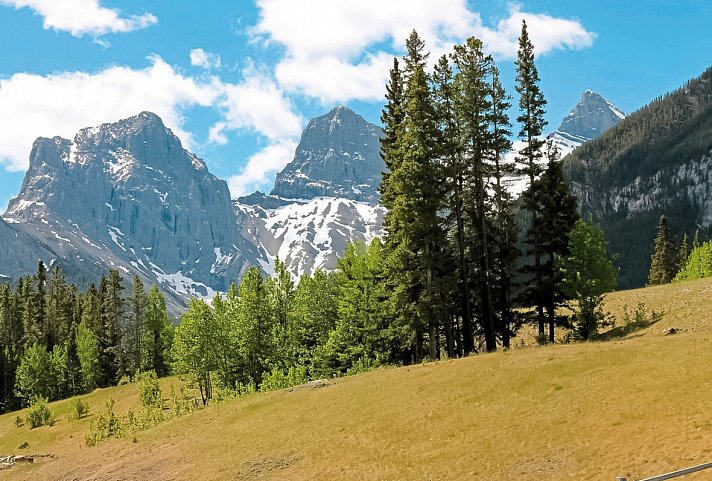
[148,389]
[19,422]
[105,426]
[124,380]
[278,379]
[78,410]
[38,414]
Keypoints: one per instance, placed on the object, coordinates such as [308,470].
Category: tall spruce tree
[454,167]
[663,263]
[554,215]
[505,228]
[135,327]
[472,108]
[532,122]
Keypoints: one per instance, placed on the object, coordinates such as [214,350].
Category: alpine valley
[128,196]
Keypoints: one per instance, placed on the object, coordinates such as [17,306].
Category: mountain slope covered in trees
[658,161]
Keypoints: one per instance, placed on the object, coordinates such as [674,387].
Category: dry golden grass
[635,406]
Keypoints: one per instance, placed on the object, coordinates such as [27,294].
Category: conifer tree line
[671,261]
[458,267]
[56,341]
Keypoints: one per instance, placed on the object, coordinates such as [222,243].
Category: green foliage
[39,414]
[588,274]
[88,353]
[698,265]
[34,375]
[105,426]
[279,379]
[149,392]
[78,409]
[664,262]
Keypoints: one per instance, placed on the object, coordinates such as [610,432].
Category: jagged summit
[589,118]
[338,156]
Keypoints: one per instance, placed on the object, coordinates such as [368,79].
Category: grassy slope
[635,406]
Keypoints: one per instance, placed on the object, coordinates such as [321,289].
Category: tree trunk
[467,339]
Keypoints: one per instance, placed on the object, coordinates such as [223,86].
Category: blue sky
[238,80]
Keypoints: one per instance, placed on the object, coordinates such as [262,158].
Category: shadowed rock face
[338,156]
[128,195]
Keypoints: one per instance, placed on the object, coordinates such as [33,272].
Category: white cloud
[206,60]
[82,17]
[547,33]
[259,105]
[60,104]
[260,168]
[34,106]
[335,50]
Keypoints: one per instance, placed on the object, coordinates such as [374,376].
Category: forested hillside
[655,162]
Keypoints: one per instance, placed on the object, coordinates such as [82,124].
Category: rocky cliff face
[338,156]
[127,195]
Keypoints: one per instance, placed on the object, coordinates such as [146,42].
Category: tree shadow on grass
[628,328]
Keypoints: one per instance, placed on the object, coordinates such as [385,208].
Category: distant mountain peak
[338,156]
[589,118]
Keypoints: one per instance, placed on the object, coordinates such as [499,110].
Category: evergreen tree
[588,274]
[136,327]
[663,263]
[113,311]
[683,253]
[504,225]
[531,108]
[696,241]
[554,215]
[472,108]
[454,167]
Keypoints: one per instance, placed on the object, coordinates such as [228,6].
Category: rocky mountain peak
[591,116]
[338,156]
[128,195]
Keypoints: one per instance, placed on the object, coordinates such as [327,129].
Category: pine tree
[113,312]
[531,107]
[136,327]
[472,107]
[554,215]
[663,263]
[531,119]
[505,228]
[683,253]
[454,167]
[696,241]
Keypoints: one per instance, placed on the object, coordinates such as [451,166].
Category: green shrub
[38,414]
[105,426]
[278,379]
[149,391]
[19,422]
[78,409]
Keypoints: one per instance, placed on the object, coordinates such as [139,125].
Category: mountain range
[127,195]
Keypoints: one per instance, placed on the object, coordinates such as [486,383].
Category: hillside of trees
[671,131]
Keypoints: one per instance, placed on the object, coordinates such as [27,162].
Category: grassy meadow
[636,405]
